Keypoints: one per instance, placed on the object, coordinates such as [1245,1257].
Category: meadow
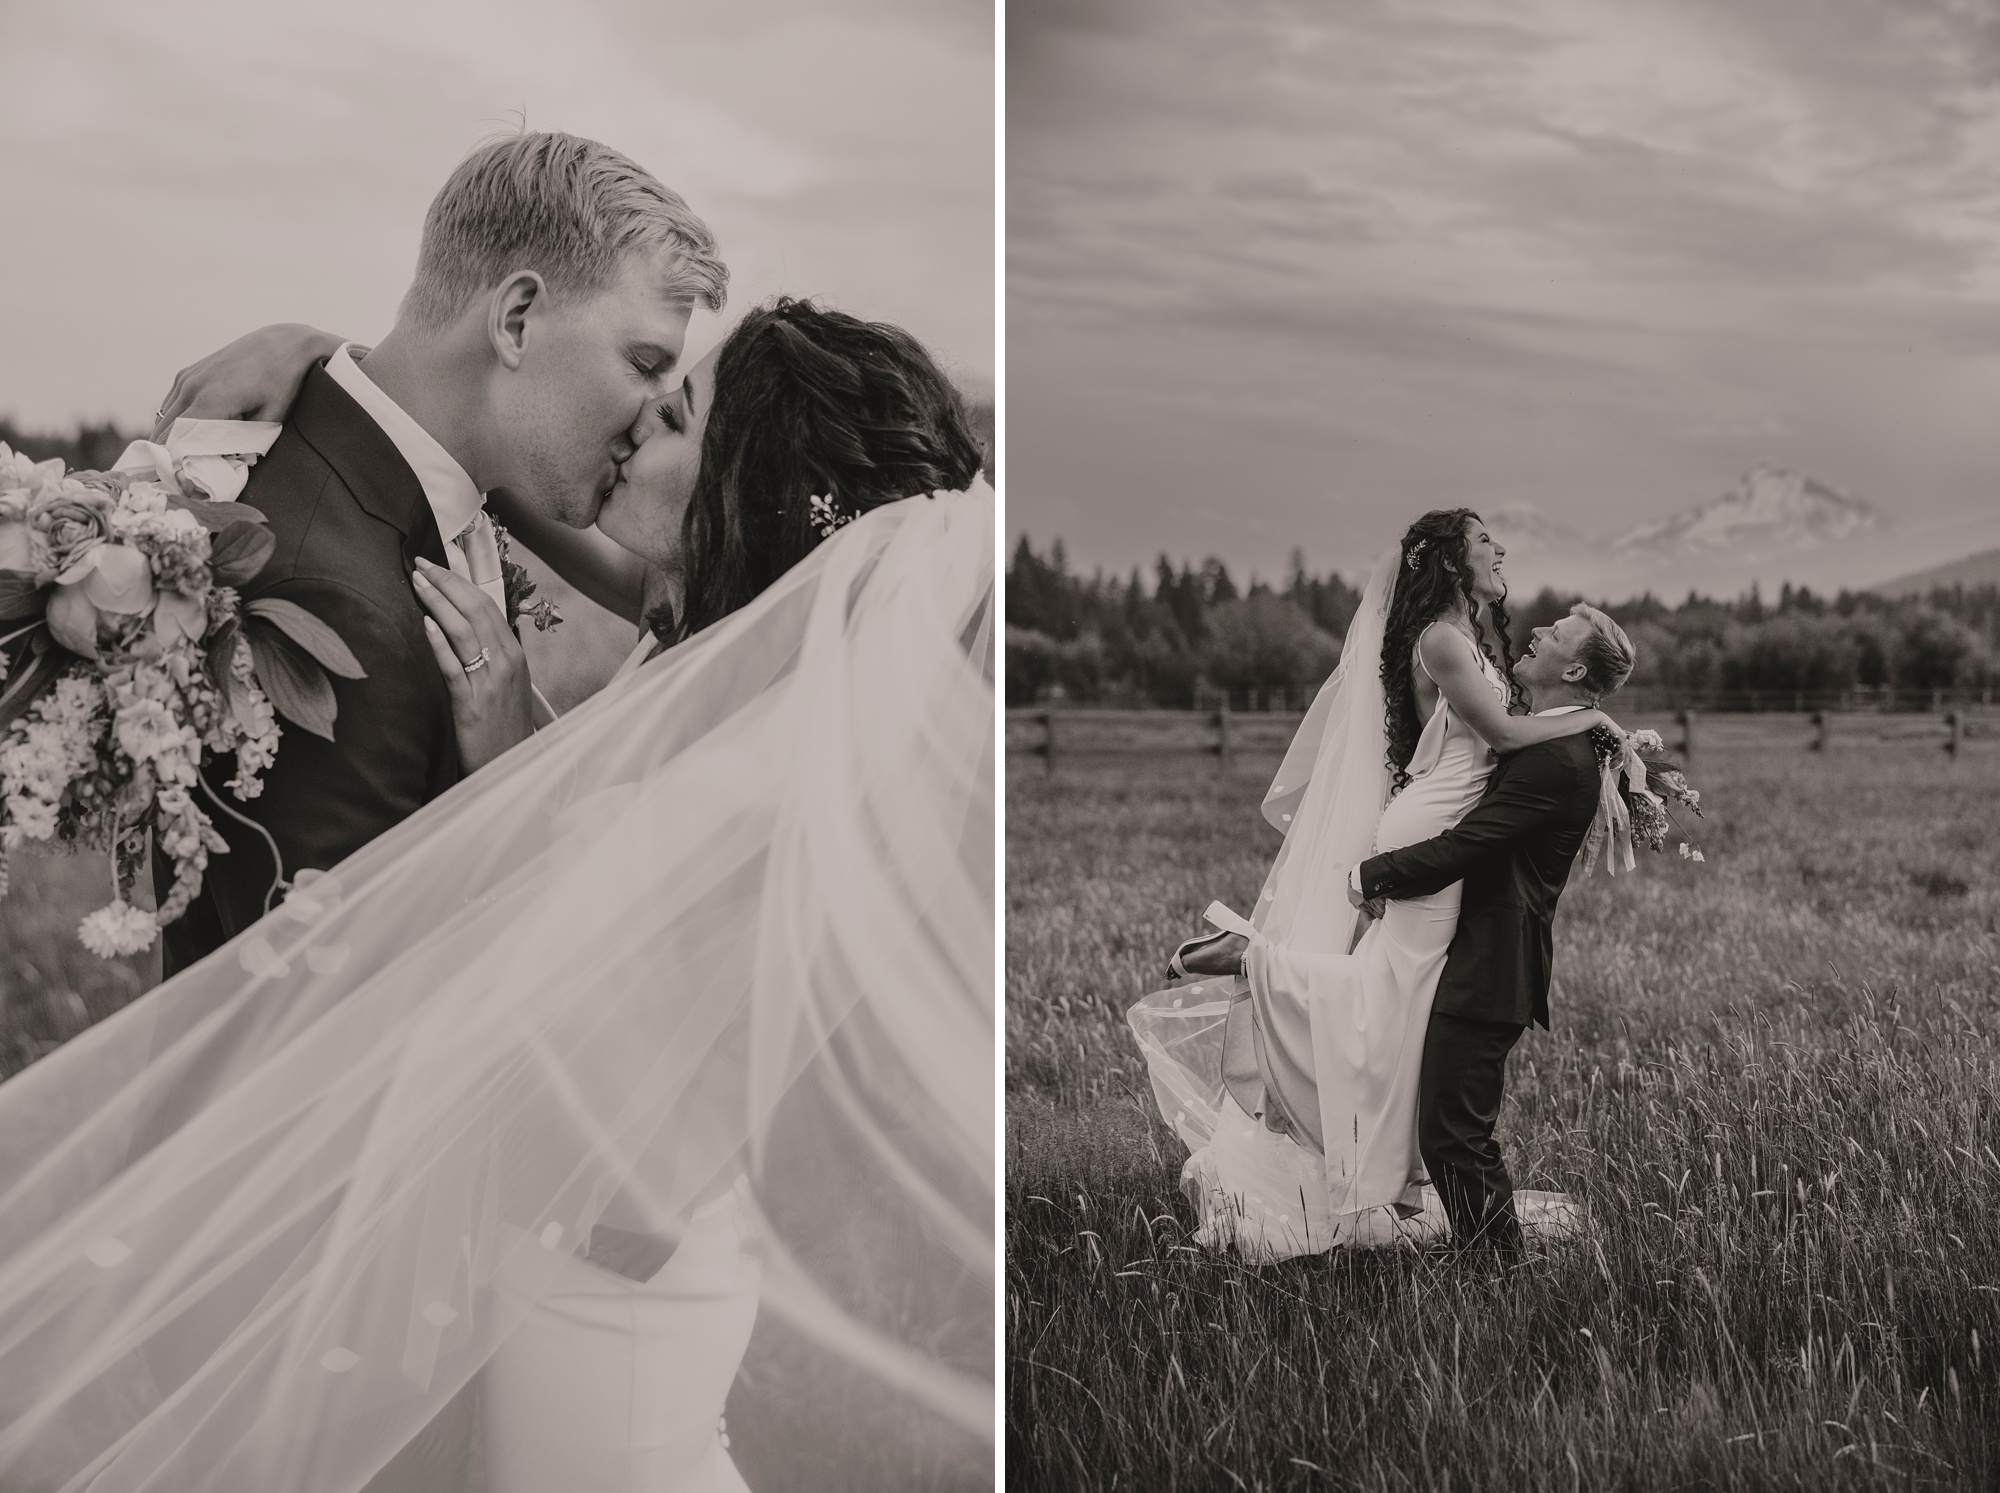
[1773,1078]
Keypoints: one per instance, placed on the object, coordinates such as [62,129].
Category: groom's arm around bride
[1513,852]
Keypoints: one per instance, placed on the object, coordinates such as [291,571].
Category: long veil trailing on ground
[1327,796]
[735,915]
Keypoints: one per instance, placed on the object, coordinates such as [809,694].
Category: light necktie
[474,554]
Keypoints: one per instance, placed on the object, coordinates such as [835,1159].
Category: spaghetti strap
[1486,665]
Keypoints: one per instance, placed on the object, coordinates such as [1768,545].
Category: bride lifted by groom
[568,1053]
[1346,1046]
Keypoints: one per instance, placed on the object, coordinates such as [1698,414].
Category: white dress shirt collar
[1562,709]
[454,500]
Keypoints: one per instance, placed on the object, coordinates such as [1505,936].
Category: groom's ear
[508,312]
[1574,674]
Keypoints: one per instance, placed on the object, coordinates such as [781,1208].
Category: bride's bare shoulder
[1443,642]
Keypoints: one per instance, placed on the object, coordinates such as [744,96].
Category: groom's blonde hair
[567,208]
[1606,653]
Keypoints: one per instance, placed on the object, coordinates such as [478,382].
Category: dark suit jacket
[1513,852]
[350,519]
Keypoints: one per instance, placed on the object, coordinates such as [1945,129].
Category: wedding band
[478,663]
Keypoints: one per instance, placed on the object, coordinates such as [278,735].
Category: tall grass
[50,988]
[1774,1079]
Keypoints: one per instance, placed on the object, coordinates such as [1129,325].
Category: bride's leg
[612,1386]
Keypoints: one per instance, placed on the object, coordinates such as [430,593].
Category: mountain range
[1975,570]
[1775,525]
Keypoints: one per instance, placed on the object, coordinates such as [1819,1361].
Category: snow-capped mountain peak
[1771,510]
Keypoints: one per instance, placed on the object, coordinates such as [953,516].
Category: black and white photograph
[498,746]
[1502,771]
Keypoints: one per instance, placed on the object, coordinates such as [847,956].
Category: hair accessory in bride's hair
[826,518]
[1416,553]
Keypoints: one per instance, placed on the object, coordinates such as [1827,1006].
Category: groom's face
[647,508]
[587,368]
[1551,656]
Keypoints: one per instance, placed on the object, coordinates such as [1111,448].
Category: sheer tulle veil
[735,914]
[1331,788]
[1327,798]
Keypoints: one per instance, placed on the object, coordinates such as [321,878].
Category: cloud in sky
[1282,272]
[174,175]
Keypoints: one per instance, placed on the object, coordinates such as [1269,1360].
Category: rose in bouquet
[1642,784]
[128,659]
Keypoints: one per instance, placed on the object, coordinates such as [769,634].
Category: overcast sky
[174,174]
[1291,271]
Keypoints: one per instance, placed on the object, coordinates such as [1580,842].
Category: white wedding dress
[707,964]
[1354,1023]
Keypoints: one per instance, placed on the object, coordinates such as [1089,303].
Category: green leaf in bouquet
[311,634]
[21,595]
[30,682]
[216,517]
[221,653]
[237,553]
[297,685]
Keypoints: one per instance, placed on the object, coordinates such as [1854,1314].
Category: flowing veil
[262,1227]
[1331,788]
[1327,796]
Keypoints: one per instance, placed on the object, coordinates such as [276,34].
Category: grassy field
[50,988]
[1774,1078]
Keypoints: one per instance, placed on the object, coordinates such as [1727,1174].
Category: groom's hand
[493,704]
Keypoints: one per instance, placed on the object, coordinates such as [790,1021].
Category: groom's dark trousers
[1513,852]
[350,519]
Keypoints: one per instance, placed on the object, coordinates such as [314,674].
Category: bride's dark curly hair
[808,403]
[1434,576]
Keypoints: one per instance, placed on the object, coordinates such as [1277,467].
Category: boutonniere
[514,580]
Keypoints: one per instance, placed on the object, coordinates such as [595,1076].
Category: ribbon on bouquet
[1613,823]
[212,456]
[1220,915]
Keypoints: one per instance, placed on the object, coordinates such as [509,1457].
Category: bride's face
[1483,554]
[645,509]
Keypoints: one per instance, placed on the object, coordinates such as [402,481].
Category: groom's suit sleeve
[1531,794]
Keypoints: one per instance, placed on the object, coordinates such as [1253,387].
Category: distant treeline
[87,448]
[1194,632]
[95,447]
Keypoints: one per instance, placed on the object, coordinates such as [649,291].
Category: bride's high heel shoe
[1225,923]
[1177,966]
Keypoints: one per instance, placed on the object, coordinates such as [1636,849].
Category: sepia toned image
[498,747]
[1503,779]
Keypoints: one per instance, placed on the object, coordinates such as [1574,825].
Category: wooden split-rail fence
[1057,735]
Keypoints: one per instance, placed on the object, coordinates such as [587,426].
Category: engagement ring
[478,663]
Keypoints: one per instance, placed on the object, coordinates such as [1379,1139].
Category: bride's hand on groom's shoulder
[492,704]
[256,377]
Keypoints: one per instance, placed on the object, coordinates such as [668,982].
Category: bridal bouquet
[128,659]
[1641,784]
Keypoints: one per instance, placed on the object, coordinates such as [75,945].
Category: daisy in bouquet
[128,659]
[1641,786]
